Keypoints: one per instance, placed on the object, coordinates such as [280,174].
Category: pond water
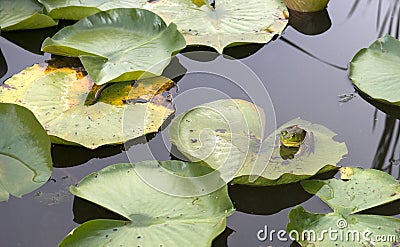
[304,76]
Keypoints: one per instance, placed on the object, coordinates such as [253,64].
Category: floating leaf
[119,44]
[306,5]
[56,93]
[78,9]
[228,136]
[364,190]
[228,23]
[153,217]
[374,70]
[23,14]
[25,160]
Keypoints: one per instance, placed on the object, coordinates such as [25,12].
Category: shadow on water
[271,199]
[3,66]
[85,210]
[68,156]
[36,36]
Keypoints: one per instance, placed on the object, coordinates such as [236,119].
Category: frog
[295,141]
[292,136]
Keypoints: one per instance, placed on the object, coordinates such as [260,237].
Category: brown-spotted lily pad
[223,23]
[228,136]
[73,111]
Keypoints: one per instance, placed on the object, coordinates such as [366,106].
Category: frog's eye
[293,135]
[284,133]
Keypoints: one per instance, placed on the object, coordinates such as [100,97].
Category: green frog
[295,141]
[293,136]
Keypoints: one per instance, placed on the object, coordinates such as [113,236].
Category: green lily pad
[61,96]
[364,190]
[78,9]
[23,14]
[228,23]
[119,44]
[25,160]
[153,218]
[228,136]
[374,70]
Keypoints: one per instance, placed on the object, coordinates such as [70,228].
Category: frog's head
[292,136]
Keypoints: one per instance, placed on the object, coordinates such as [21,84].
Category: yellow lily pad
[62,97]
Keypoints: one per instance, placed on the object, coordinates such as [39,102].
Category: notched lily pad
[56,93]
[25,160]
[361,190]
[78,9]
[224,23]
[153,218]
[119,44]
[374,70]
[228,136]
[23,14]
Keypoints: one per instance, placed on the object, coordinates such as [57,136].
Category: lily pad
[78,9]
[119,44]
[61,96]
[374,70]
[228,136]
[23,14]
[153,218]
[25,160]
[226,23]
[361,190]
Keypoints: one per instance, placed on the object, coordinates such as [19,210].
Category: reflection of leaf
[23,14]
[56,93]
[306,6]
[153,218]
[25,161]
[374,70]
[118,45]
[230,22]
[365,189]
[3,65]
[228,134]
[78,9]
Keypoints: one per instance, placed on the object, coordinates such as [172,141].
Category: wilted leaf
[153,217]
[306,6]
[119,44]
[25,161]
[56,93]
[23,14]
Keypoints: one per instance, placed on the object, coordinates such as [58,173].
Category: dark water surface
[303,78]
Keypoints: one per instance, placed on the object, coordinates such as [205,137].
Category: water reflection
[310,23]
[3,66]
[36,37]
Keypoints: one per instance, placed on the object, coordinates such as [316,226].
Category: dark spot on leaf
[107,236]
[220,130]
[193,140]
[115,229]
[139,237]
[393,194]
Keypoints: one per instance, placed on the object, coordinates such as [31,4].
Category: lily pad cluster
[358,191]
[218,25]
